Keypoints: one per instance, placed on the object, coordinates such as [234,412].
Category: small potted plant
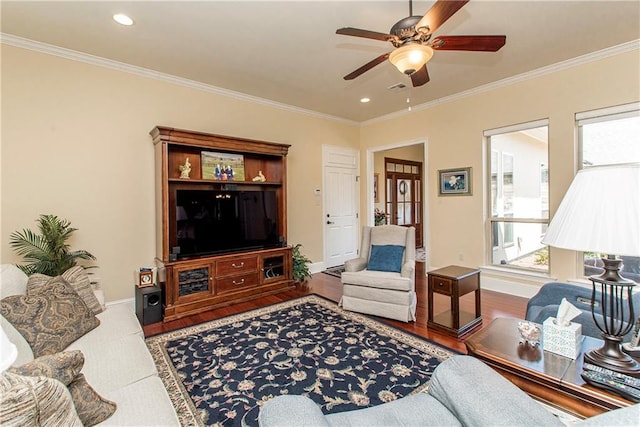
[300,265]
[380,217]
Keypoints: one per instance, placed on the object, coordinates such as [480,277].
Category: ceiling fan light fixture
[411,57]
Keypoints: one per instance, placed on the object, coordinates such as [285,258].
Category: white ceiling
[288,52]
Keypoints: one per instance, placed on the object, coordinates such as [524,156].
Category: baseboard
[130,301]
[517,284]
[489,280]
[509,287]
[316,267]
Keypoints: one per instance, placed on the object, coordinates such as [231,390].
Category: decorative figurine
[259,178]
[185,169]
[529,333]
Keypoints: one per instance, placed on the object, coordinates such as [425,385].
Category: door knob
[329,222]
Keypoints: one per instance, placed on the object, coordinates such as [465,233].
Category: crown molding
[21,42]
[633,45]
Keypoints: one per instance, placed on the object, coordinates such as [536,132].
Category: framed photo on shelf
[454,182]
[222,166]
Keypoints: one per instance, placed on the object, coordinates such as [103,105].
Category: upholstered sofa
[117,363]
[462,391]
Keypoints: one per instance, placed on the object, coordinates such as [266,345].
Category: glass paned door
[403,196]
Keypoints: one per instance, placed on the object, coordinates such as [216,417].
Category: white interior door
[341,204]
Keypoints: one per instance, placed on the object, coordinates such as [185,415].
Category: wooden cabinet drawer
[237,265]
[440,285]
[234,283]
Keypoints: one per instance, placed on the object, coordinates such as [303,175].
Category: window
[609,136]
[518,187]
[507,197]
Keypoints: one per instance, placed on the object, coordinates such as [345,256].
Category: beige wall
[454,133]
[75,143]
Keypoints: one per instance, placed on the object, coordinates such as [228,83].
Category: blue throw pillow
[386,258]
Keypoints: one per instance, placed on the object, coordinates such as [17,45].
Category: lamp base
[610,356]
[613,289]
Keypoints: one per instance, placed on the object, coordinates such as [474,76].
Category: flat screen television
[210,222]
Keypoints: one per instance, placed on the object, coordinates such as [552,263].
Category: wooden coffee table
[548,377]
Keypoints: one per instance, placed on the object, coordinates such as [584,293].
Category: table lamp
[601,213]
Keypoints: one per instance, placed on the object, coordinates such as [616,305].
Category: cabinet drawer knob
[238,282]
[440,284]
[234,265]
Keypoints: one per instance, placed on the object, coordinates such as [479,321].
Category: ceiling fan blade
[420,77]
[439,13]
[472,43]
[356,32]
[366,67]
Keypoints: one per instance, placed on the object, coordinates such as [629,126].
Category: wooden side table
[454,281]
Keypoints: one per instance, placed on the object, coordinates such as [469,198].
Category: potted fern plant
[300,265]
[48,252]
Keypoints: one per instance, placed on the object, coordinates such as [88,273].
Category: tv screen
[210,222]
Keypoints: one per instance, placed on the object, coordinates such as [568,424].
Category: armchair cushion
[386,258]
[378,279]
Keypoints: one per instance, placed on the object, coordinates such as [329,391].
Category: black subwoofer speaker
[149,304]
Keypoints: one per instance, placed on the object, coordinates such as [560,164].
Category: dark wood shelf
[220,182]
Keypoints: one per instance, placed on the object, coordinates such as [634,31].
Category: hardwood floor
[494,304]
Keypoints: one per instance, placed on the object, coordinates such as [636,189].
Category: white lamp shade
[411,57]
[8,351]
[600,212]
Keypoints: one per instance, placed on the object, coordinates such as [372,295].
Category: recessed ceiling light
[364,100]
[122,19]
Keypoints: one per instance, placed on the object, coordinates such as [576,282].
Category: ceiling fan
[411,37]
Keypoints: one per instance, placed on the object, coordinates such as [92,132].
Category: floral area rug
[335,271]
[221,372]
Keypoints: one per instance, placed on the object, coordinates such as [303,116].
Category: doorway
[403,194]
[415,150]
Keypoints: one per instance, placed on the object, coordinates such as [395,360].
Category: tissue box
[562,340]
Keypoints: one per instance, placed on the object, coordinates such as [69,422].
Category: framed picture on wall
[376,199]
[454,182]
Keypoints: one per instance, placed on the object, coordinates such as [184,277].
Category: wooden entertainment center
[202,282]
